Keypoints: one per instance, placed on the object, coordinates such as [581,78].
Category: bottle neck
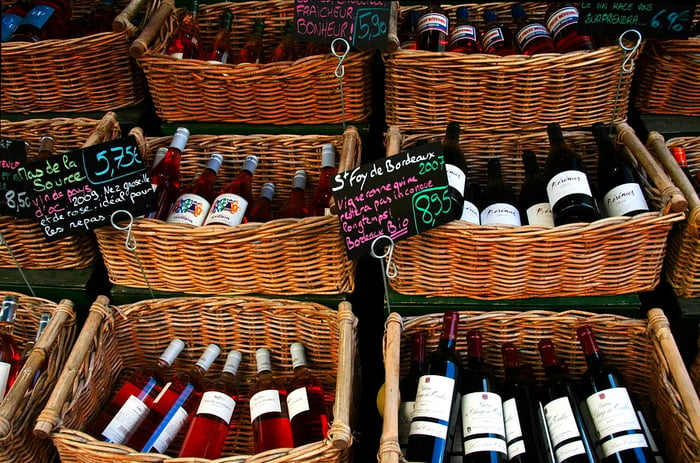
[680,156]
[474,347]
[549,358]
[591,351]
[418,352]
[448,337]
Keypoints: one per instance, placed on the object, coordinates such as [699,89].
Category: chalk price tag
[399,196]
[654,20]
[79,190]
[15,200]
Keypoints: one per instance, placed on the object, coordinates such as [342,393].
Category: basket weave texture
[642,349]
[305,91]
[133,336]
[24,236]
[283,256]
[19,443]
[614,255]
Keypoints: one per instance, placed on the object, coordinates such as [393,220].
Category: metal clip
[130,243]
[3,242]
[390,271]
[340,69]
[627,66]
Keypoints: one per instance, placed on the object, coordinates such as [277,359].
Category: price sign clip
[130,242]
[388,271]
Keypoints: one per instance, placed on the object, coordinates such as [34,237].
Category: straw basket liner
[119,339]
[24,236]
[24,402]
[643,350]
[615,255]
[283,256]
[305,91]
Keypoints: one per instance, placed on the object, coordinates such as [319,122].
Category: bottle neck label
[528,34]
[470,213]
[482,414]
[126,421]
[10,23]
[4,378]
[227,209]
[514,433]
[462,32]
[434,402]
[267,401]
[623,199]
[561,19]
[218,404]
[568,182]
[297,402]
[433,22]
[39,15]
[491,39]
[190,209]
[501,214]
[405,415]
[540,214]
[565,435]
[615,421]
[456,178]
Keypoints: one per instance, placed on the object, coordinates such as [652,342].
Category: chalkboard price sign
[79,190]
[15,200]
[656,20]
[399,196]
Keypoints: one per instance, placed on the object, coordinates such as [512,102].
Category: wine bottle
[409,386]
[212,421]
[46,147]
[568,189]
[286,49]
[49,19]
[622,195]
[499,199]
[176,402]
[305,403]
[409,31]
[185,43]
[262,208]
[100,18]
[533,200]
[221,47]
[252,51]
[44,320]
[435,413]
[295,206]
[314,48]
[619,435]
[160,154]
[464,37]
[268,409]
[496,39]
[13,15]
[483,426]
[9,349]
[461,195]
[231,205]
[194,202]
[681,158]
[531,37]
[563,416]
[561,19]
[433,28]
[321,199]
[525,434]
[165,176]
[127,409]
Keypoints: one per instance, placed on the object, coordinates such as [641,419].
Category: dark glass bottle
[461,196]
[165,176]
[679,155]
[320,201]
[561,19]
[221,47]
[533,201]
[568,189]
[286,49]
[194,202]
[44,320]
[433,28]
[262,209]
[13,15]
[49,19]
[435,413]
[9,349]
[305,403]
[531,37]
[622,195]
[231,205]
[619,435]
[295,207]
[409,386]
[100,19]
[185,43]
[252,51]
[409,31]
[496,38]
[500,205]
[464,37]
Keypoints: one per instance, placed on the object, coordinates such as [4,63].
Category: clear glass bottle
[531,37]
[231,205]
[252,51]
[433,28]
[320,201]
[295,207]
[165,176]
[194,202]
[305,402]
[185,43]
[499,199]
[464,37]
[262,209]
[220,52]
[496,38]
[9,349]
[286,49]
[49,19]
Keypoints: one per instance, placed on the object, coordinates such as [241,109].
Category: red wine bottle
[231,205]
[320,201]
[194,202]
[268,409]
[433,28]
[286,49]
[13,15]
[49,19]
[185,43]
[435,413]
[460,191]
[496,39]
[9,349]
[409,386]
[165,176]
[252,51]
[409,31]
[499,199]
[533,200]
[262,209]
[305,403]
[681,158]
[561,20]
[220,52]
[565,423]
[212,421]
[531,37]
[295,206]
[101,17]
[619,435]
[464,37]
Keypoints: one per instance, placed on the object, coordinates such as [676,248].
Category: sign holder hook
[340,70]
[4,242]
[388,271]
[130,243]
[627,66]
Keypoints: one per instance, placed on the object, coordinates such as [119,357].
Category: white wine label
[228,209]
[298,402]
[262,402]
[126,420]
[562,18]
[405,415]
[567,183]
[484,444]
[500,213]
[623,199]
[470,213]
[177,55]
[170,430]
[434,397]
[540,214]
[218,404]
[569,450]
[433,22]
[4,377]
[482,413]
[626,442]
[189,209]
[528,34]
[514,433]
[562,426]
[612,412]
[491,39]
[463,32]
[456,178]
[428,428]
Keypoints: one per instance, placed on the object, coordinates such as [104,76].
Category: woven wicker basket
[614,255]
[24,236]
[643,350]
[283,256]
[116,339]
[305,91]
[425,90]
[92,73]
[22,404]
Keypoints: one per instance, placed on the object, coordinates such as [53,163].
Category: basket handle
[672,197]
[389,450]
[340,433]
[122,22]
[106,127]
[11,402]
[661,332]
[352,151]
[140,45]
[49,417]
[141,141]
[393,140]
[393,43]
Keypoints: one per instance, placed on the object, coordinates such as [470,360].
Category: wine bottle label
[482,423]
[491,39]
[470,213]
[568,182]
[456,177]
[297,402]
[262,402]
[612,413]
[178,55]
[170,431]
[514,433]
[433,22]
[433,402]
[540,214]
[4,378]
[500,213]
[127,419]
[565,435]
[38,16]
[189,209]
[623,199]
[462,32]
[218,404]
[10,23]
[405,415]
[528,34]
[228,209]
[561,18]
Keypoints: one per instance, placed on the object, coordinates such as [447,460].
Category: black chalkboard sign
[654,20]
[79,190]
[15,200]
[364,24]
[399,196]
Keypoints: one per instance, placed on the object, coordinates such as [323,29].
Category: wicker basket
[24,236]
[425,90]
[643,350]
[92,73]
[615,255]
[125,337]
[23,403]
[695,369]
[305,91]
[283,256]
